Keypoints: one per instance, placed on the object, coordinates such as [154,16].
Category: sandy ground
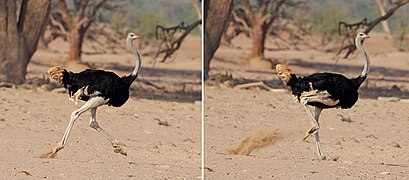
[368,141]
[33,121]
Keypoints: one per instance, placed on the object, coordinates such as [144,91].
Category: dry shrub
[255,141]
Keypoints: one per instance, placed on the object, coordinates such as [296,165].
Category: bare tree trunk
[196,5]
[76,40]
[261,20]
[257,50]
[385,24]
[217,14]
[20,28]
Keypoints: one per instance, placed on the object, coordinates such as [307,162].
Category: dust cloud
[256,141]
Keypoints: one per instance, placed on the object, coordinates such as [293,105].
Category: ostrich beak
[136,37]
[367,36]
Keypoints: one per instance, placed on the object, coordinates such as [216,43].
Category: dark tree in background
[21,24]
[217,14]
[260,17]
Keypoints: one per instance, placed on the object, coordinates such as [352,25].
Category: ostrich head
[361,36]
[283,72]
[131,36]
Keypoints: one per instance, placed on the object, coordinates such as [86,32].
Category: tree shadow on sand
[389,76]
[153,83]
[164,84]
[340,68]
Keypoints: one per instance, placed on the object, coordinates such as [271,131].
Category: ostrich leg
[314,130]
[321,97]
[90,104]
[317,135]
[94,124]
[315,127]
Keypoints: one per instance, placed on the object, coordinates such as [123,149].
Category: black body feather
[108,84]
[338,86]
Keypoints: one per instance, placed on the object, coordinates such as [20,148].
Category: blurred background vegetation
[142,16]
[139,16]
[324,16]
[299,19]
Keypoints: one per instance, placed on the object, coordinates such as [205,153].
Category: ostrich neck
[364,55]
[137,58]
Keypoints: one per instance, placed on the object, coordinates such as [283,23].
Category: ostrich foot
[51,154]
[322,157]
[117,144]
[310,132]
[118,149]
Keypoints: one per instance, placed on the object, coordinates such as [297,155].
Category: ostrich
[96,88]
[325,90]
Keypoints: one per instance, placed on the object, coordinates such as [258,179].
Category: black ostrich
[96,88]
[325,90]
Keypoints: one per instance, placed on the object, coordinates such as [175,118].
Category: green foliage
[120,22]
[327,22]
[146,25]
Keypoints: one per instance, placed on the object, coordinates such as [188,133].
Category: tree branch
[65,13]
[80,12]
[388,14]
[241,21]
[167,38]
[77,4]
[263,8]
[92,17]
[59,25]
[96,7]
[274,14]
[248,11]
[85,22]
